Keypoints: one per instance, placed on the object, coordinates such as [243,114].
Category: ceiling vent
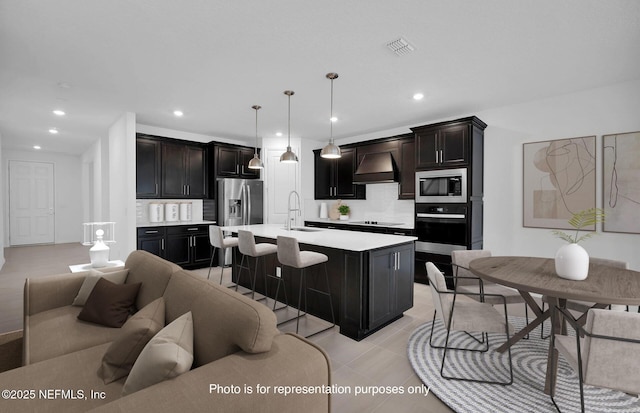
[400,47]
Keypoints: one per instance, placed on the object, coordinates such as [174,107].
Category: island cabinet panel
[390,284]
[369,289]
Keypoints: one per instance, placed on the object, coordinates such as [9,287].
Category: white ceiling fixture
[36,147]
[53,131]
[178,113]
[400,46]
[59,112]
[418,96]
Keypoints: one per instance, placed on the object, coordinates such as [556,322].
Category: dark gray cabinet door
[147,168]
[173,171]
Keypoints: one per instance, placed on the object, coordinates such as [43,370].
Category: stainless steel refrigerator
[239,201]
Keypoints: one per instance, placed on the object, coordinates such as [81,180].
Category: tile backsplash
[382,204]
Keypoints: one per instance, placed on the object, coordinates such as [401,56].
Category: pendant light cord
[289,124]
[331,118]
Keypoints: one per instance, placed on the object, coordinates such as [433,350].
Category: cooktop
[380,223]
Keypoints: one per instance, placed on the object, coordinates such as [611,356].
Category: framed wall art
[621,182]
[559,179]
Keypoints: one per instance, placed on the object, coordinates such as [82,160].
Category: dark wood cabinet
[148,153]
[152,239]
[446,144]
[183,171]
[407,181]
[185,245]
[170,168]
[333,178]
[233,161]
[390,283]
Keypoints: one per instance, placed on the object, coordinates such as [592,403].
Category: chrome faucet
[290,210]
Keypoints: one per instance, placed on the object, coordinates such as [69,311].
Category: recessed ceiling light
[333,119]
[278,133]
[53,131]
[418,96]
[178,113]
[36,147]
[59,112]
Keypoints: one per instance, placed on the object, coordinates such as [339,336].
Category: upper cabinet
[447,144]
[333,178]
[407,182]
[148,152]
[232,162]
[169,168]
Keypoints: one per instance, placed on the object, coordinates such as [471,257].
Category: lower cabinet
[390,283]
[185,245]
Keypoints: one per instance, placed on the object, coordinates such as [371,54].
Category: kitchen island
[370,275]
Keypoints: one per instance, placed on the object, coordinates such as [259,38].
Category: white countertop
[173,223]
[359,223]
[330,238]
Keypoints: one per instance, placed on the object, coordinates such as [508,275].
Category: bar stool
[248,247]
[217,240]
[289,255]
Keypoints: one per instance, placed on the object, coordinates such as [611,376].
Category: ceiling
[215,59]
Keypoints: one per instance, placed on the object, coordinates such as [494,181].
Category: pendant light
[331,151]
[255,162]
[289,156]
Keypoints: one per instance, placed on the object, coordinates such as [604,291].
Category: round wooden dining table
[604,285]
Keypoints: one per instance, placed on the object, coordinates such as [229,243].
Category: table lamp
[99,234]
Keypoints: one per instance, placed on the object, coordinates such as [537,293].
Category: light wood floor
[378,360]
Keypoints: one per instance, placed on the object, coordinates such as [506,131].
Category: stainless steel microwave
[443,185]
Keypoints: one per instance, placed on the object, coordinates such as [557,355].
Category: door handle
[248,195]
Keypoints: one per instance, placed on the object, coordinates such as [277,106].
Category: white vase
[572,262]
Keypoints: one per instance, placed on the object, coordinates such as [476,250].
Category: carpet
[526,394]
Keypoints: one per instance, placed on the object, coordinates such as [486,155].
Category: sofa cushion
[58,331]
[134,335]
[225,321]
[168,355]
[150,270]
[116,277]
[70,372]
[109,303]
[183,289]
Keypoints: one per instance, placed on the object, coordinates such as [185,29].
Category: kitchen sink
[305,229]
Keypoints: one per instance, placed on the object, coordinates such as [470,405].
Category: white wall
[68,196]
[93,185]
[601,111]
[121,184]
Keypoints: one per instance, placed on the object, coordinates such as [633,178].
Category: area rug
[526,394]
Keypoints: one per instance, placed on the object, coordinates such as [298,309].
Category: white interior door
[31,203]
[282,178]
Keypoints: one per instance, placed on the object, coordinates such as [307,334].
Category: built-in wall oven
[441,228]
[441,186]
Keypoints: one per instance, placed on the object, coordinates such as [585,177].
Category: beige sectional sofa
[236,347]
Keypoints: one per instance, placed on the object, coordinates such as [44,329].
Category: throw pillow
[109,303]
[135,334]
[167,355]
[92,278]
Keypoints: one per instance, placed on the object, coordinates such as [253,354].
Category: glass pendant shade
[331,151]
[289,156]
[255,162]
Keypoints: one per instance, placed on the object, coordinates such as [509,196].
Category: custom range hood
[376,168]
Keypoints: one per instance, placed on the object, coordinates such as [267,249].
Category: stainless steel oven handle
[455,216]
